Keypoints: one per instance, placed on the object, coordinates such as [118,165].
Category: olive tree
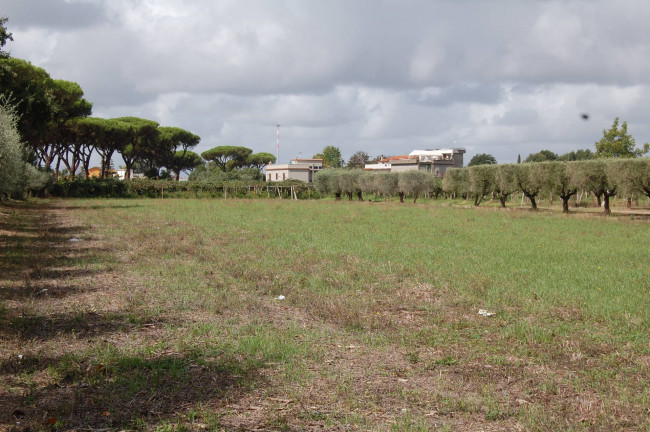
[16,176]
[456,182]
[349,183]
[505,182]
[387,184]
[368,183]
[531,178]
[327,181]
[481,181]
[632,176]
[562,181]
[434,186]
[413,182]
[592,176]
[11,163]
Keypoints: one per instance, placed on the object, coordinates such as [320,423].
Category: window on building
[283,176]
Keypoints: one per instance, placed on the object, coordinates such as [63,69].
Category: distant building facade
[296,169]
[97,172]
[435,161]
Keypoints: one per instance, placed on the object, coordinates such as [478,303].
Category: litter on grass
[74,239]
[485,313]
[280,297]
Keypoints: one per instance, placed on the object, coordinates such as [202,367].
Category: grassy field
[167,315]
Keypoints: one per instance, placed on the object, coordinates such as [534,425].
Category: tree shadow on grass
[126,392]
[102,386]
[37,256]
[81,324]
[92,384]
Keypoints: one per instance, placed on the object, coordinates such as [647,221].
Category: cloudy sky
[381,76]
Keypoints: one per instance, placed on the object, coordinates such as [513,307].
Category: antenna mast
[278,137]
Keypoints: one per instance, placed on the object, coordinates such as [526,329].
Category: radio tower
[277,160]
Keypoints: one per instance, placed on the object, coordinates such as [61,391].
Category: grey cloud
[518,117]
[383,76]
[463,93]
[53,14]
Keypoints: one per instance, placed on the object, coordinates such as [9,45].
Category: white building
[433,160]
[296,169]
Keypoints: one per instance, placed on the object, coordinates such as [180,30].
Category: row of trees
[332,158]
[604,178]
[227,163]
[53,121]
[356,182]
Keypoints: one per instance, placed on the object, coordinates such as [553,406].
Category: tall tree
[141,143]
[112,136]
[358,160]
[184,160]
[618,143]
[27,87]
[228,158]
[260,160]
[4,37]
[331,157]
[67,105]
[174,140]
[482,159]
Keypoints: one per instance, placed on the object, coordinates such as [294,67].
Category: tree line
[47,124]
[605,178]
[54,123]
[52,120]
[355,182]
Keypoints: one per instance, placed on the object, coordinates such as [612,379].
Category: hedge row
[111,188]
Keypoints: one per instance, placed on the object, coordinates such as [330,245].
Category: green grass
[380,313]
